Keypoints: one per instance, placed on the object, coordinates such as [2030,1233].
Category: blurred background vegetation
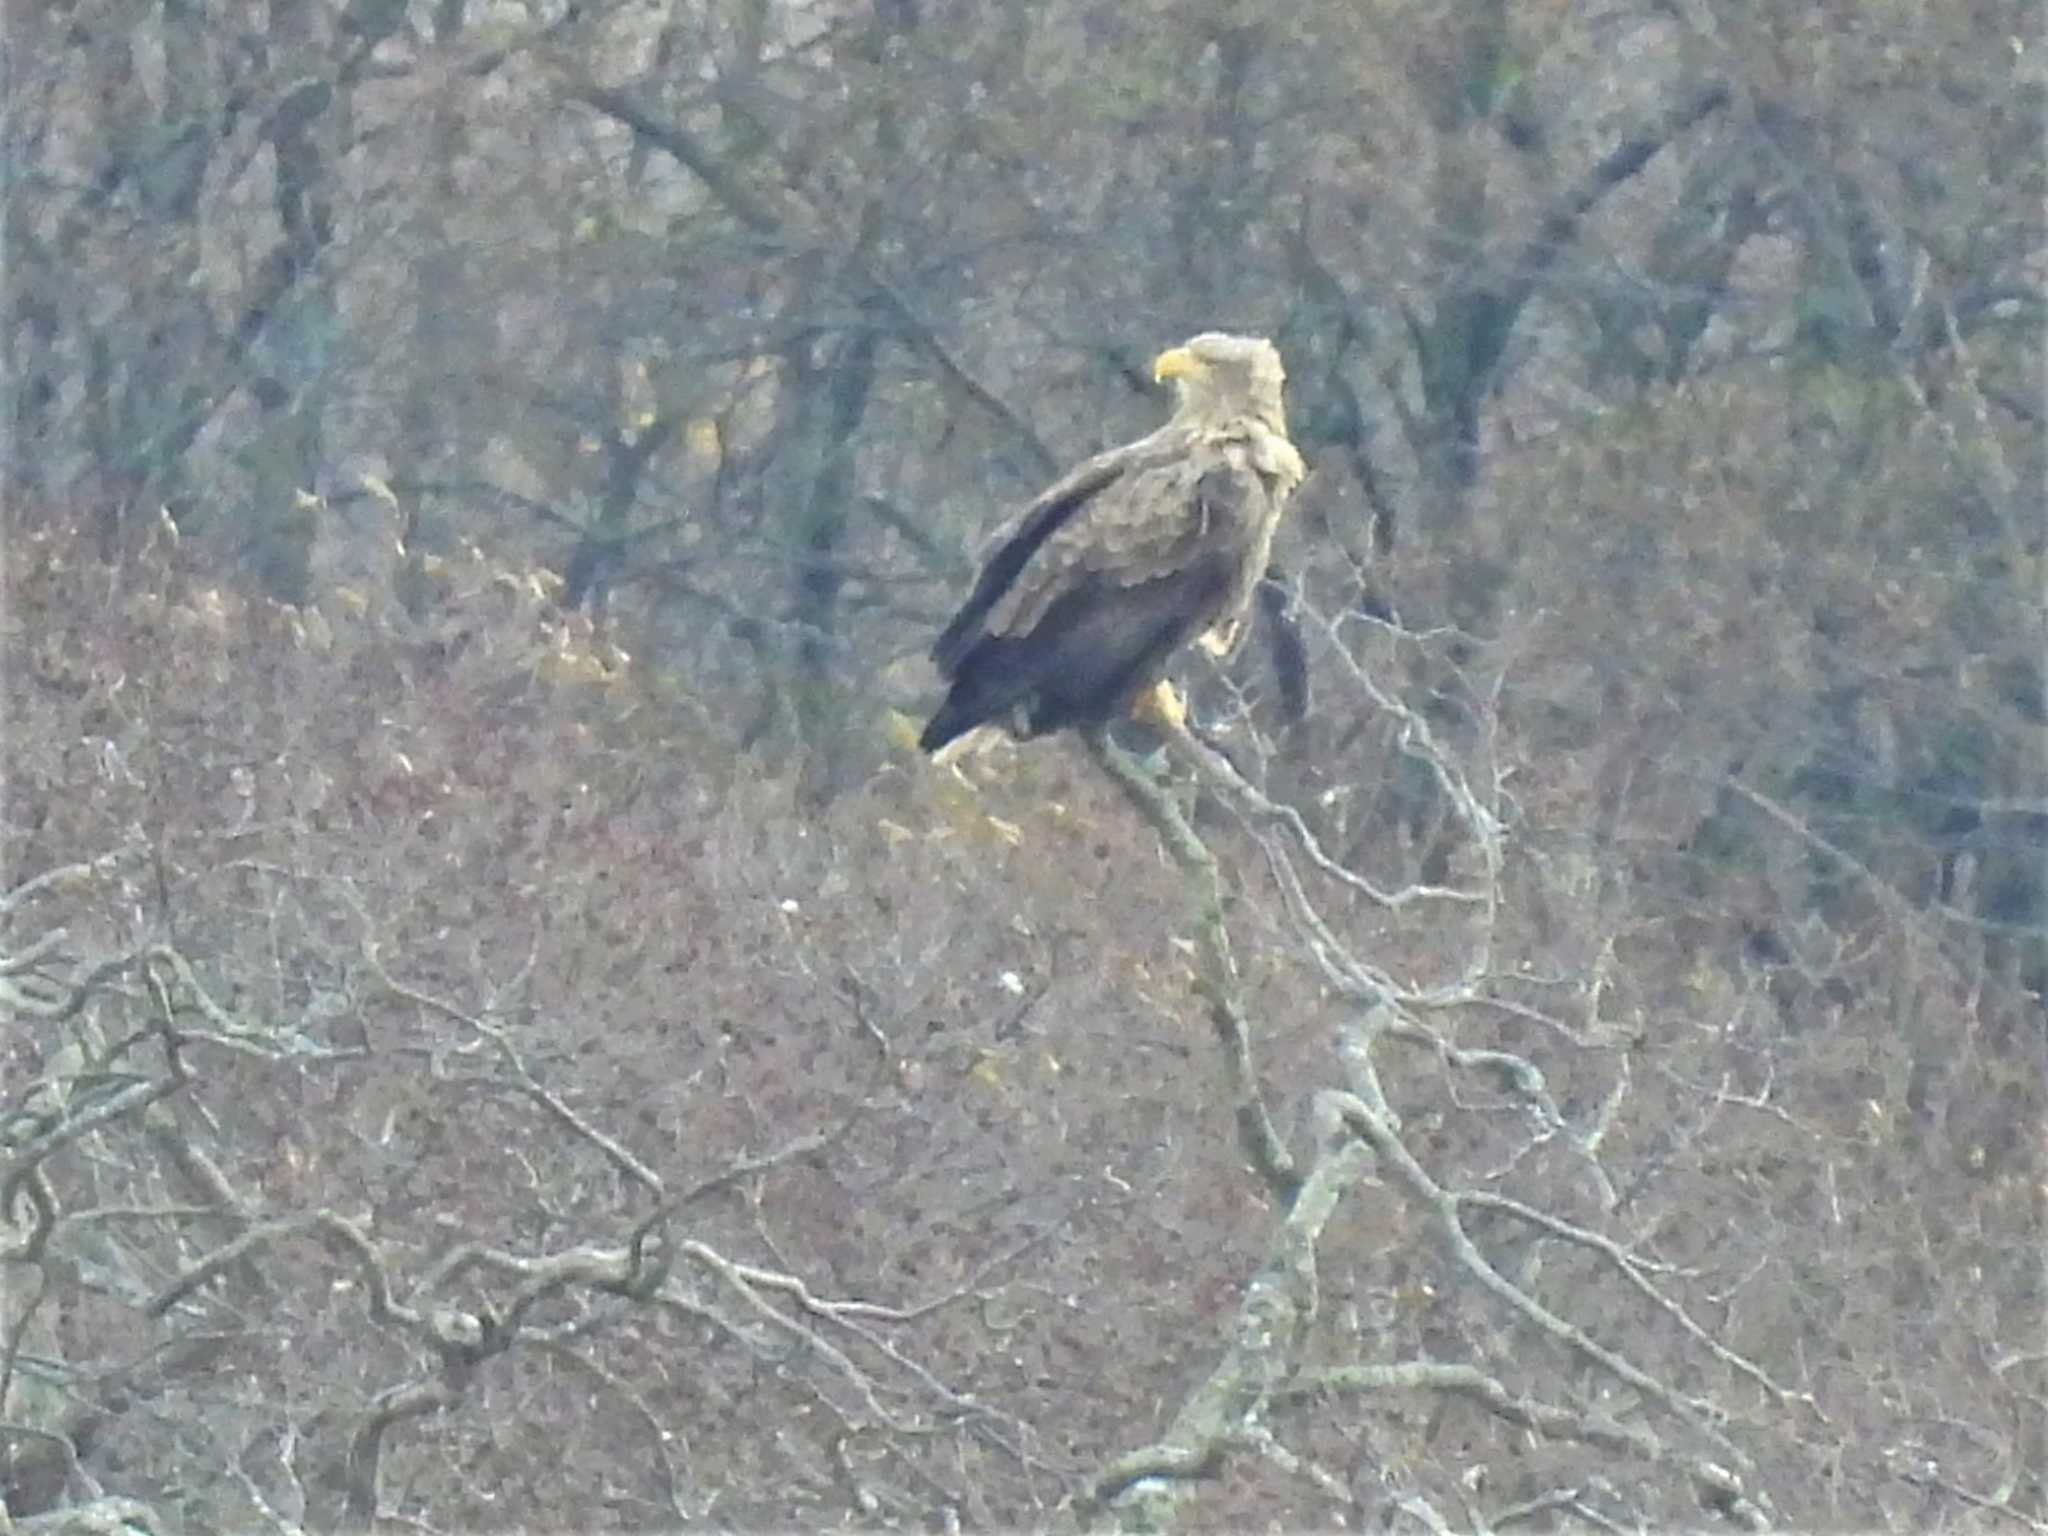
[745,317]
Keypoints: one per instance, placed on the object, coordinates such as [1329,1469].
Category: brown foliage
[467,950]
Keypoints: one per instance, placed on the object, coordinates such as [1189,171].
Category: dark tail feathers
[986,689]
[949,720]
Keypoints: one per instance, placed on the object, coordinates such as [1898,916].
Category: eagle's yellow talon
[1159,705]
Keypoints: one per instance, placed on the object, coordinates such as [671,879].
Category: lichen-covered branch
[1143,1489]
[1469,1381]
[1217,978]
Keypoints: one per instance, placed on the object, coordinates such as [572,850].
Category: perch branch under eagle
[1085,594]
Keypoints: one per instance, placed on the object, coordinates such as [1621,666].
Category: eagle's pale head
[1216,376]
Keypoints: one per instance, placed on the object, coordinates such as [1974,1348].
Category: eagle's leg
[1222,640]
[1160,706]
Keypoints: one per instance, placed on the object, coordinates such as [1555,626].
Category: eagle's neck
[1201,418]
[1261,428]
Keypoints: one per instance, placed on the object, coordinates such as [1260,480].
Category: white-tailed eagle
[1085,594]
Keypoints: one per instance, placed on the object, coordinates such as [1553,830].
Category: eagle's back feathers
[1012,546]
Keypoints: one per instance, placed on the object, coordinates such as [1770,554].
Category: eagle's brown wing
[1087,592]
[1149,522]
[1010,549]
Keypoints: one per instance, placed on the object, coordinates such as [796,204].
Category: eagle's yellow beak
[1174,363]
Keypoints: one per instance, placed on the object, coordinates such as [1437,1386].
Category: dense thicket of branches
[496,1028]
